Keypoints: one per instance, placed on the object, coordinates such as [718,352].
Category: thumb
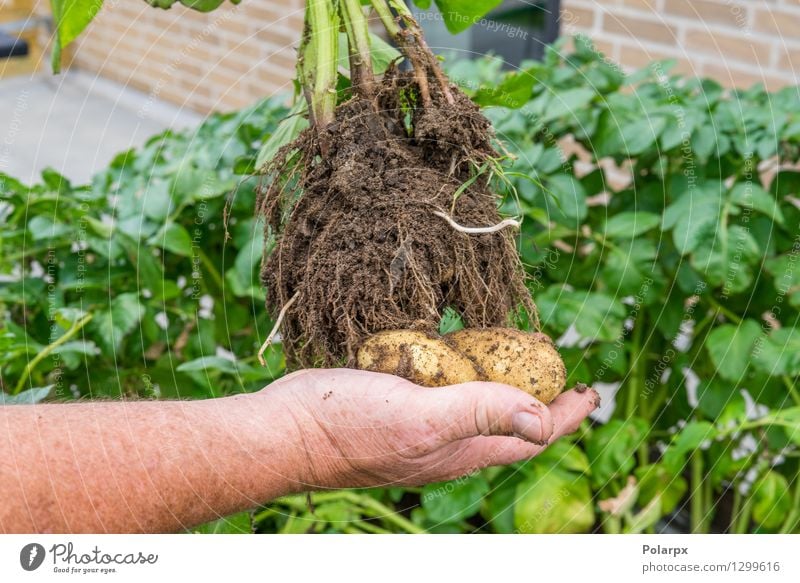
[481,408]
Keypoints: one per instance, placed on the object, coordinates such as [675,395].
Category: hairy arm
[160,466]
[140,466]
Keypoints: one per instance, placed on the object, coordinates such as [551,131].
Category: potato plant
[660,234]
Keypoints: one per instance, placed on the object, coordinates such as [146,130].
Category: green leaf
[382,53]
[685,442]
[595,316]
[553,501]
[779,352]
[631,224]
[513,91]
[726,257]
[751,195]
[772,500]
[731,347]
[570,197]
[291,126]
[455,500]
[70,18]
[175,239]
[459,15]
[114,324]
[199,5]
[611,449]
[622,137]
[240,523]
[694,218]
[27,397]
[192,182]
[212,363]
[655,481]
[568,103]
[450,322]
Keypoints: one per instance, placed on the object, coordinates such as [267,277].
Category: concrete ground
[76,123]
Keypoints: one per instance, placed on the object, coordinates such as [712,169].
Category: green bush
[662,232]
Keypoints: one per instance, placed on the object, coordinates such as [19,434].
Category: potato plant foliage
[661,232]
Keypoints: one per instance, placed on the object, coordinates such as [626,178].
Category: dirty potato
[528,361]
[420,358]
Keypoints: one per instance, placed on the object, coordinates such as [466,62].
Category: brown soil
[358,242]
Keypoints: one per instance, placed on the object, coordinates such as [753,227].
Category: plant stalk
[26,373]
[316,67]
[697,502]
[360,53]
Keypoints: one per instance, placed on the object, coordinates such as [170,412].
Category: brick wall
[737,42]
[222,60]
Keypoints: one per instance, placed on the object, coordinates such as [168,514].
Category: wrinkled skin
[371,429]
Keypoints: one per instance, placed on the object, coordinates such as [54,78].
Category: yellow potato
[420,358]
[527,361]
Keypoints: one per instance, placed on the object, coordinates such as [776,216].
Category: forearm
[142,466]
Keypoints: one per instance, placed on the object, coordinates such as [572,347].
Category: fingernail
[529,427]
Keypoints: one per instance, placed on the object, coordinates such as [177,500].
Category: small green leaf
[772,500]
[751,195]
[631,224]
[779,353]
[611,449]
[570,198]
[241,523]
[291,126]
[455,500]
[212,363]
[450,322]
[553,501]
[27,397]
[70,18]
[730,347]
[685,442]
[512,92]
[175,239]
[568,103]
[114,324]
[459,15]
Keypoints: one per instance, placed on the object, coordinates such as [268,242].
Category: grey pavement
[76,123]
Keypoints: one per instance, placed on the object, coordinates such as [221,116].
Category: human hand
[363,429]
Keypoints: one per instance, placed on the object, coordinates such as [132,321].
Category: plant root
[275,328]
[479,230]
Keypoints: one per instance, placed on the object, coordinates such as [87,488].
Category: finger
[568,411]
[478,408]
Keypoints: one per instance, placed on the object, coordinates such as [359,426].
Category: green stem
[357,29]
[387,18]
[365,501]
[318,59]
[211,269]
[369,527]
[792,388]
[632,396]
[708,505]
[736,507]
[385,513]
[743,520]
[697,502]
[736,319]
[76,326]
[791,522]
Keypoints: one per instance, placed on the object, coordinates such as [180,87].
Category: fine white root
[479,230]
[275,328]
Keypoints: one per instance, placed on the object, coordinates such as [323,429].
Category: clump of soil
[359,248]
